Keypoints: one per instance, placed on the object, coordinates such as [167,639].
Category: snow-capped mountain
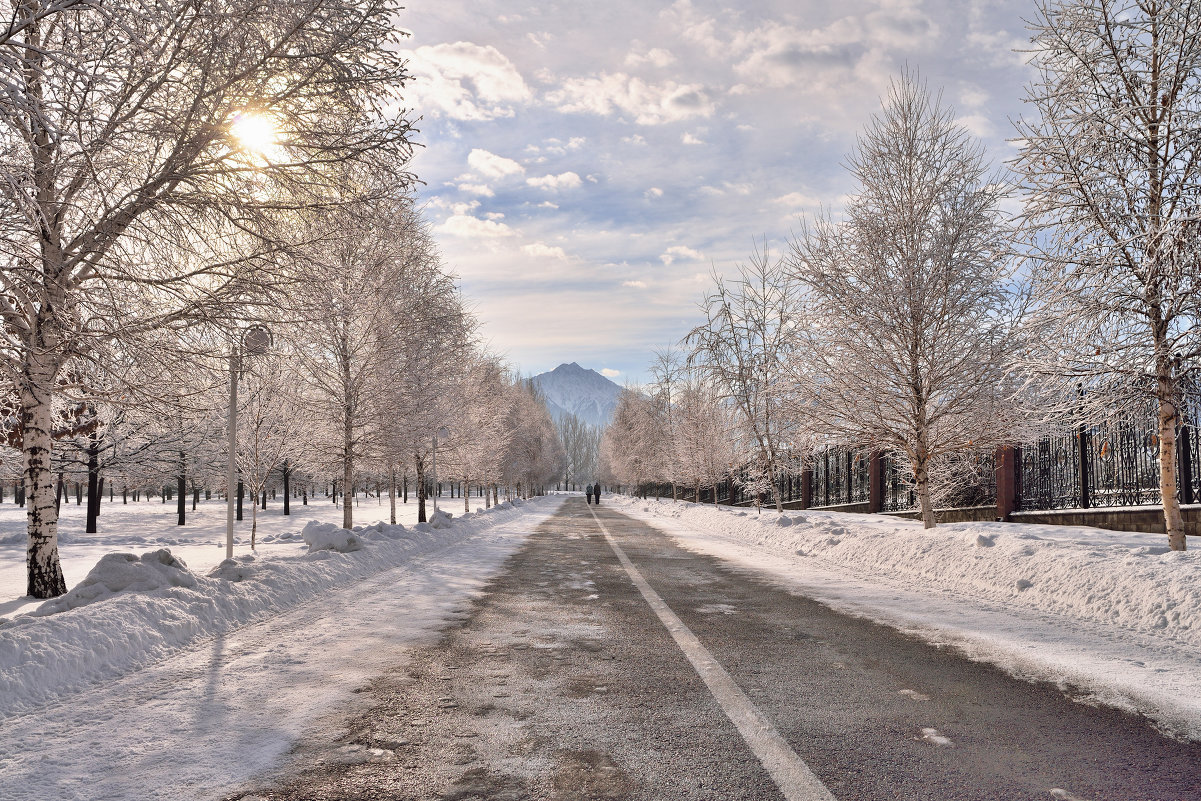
[587,394]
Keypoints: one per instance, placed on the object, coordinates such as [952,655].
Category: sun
[255,132]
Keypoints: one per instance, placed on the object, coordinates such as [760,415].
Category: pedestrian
[588,490]
[596,494]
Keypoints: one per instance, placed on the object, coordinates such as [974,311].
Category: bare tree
[908,330]
[131,132]
[743,349]
[1112,172]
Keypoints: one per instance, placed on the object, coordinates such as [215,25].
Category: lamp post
[443,432]
[254,340]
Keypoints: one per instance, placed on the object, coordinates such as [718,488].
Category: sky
[587,167]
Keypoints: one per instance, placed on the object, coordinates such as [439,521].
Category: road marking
[790,773]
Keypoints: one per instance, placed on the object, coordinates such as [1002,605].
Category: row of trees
[925,322]
[178,173]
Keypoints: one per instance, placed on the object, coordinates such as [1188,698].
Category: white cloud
[540,250]
[636,139]
[680,252]
[978,124]
[653,192]
[464,81]
[466,226]
[483,190]
[656,56]
[798,200]
[634,284]
[689,139]
[619,93]
[610,373]
[553,183]
[491,165]
[547,204]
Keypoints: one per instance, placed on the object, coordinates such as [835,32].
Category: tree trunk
[181,486]
[1173,518]
[466,493]
[241,495]
[392,493]
[420,463]
[921,474]
[287,488]
[45,572]
[93,488]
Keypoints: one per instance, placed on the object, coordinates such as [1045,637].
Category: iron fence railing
[1106,465]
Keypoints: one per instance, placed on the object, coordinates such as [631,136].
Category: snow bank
[1125,579]
[328,537]
[133,610]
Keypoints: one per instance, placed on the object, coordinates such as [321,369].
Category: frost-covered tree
[633,445]
[703,438]
[907,330]
[133,132]
[1112,173]
[743,350]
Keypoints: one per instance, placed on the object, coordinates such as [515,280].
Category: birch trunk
[45,572]
[1167,419]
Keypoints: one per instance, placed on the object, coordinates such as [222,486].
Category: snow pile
[1125,579]
[132,610]
[328,537]
[123,572]
[441,519]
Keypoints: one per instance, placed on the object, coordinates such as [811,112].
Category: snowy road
[198,724]
[565,683]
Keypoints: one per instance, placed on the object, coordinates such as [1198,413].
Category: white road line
[794,778]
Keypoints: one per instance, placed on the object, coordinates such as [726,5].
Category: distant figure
[596,494]
[588,492]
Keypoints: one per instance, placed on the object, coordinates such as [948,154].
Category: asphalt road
[563,682]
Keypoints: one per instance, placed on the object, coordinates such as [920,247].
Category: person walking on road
[588,491]
[596,494]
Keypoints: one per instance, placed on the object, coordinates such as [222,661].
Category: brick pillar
[1006,458]
[875,483]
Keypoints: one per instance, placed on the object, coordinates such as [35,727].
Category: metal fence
[1113,464]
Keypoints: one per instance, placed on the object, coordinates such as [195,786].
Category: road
[606,662]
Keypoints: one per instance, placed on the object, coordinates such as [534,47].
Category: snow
[195,680]
[1111,616]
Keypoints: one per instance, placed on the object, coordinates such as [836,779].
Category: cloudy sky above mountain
[587,165]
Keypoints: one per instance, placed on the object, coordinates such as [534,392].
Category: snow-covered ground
[1112,616]
[153,678]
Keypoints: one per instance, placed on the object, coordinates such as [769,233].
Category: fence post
[806,487]
[875,482]
[1085,490]
[1006,460]
[1185,457]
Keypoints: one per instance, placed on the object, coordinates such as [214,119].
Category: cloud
[689,139]
[619,93]
[798,200]
[491,165]
[680,252]
[634,284]
[978,124]
[464,81]
[610,373]
[653,192]
[482,190]
[656,56]
[553,183]
[465,226]
[540,250]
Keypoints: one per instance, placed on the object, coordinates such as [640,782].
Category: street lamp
[254,340]
[444,433]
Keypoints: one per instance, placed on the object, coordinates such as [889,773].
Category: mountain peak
[572,389]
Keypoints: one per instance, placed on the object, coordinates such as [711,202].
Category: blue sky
[587,165]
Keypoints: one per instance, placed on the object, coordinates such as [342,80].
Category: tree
[1112,174]
[131,133]
[908,328]
[744,348]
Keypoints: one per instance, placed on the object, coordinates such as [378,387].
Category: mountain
[587,394]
